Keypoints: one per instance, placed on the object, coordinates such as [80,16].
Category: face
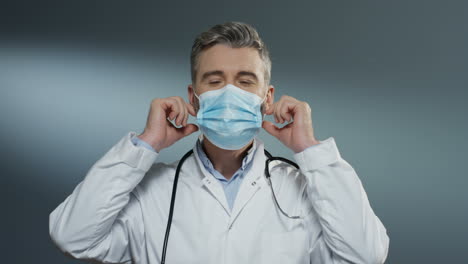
[221,65]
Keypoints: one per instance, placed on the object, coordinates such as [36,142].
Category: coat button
[253,183]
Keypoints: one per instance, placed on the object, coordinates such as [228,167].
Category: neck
[227,162]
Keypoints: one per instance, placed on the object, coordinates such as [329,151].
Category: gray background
[386,79]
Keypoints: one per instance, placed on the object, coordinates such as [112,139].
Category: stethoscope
[176,179]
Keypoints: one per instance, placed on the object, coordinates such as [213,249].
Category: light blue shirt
[231,186]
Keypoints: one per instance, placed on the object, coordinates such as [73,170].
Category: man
[225,210]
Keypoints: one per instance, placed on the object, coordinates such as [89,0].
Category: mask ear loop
[196,95]
[261,102]
[201,136]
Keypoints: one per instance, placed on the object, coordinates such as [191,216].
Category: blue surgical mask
[230,117]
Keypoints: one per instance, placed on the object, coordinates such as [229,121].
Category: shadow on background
[388,80]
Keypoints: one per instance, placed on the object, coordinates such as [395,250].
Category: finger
[191,109]
[188,129]
[180,115]
[278,113]
[186,113]
[269,111]
[286,110]
[183,122]
[171,105]
[283,110]
[273,110]
[169,124]
[271,128]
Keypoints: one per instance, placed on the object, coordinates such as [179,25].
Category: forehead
[230,60]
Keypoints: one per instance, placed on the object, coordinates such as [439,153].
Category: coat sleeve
[102,218]
[351,232]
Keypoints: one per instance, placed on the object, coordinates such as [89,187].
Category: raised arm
[351,232]
[101,219]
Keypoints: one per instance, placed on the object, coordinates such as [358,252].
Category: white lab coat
[118,213]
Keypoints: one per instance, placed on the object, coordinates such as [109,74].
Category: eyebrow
[248,73]
[210,73]
[221,73]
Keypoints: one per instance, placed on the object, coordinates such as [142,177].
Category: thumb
[188,129]
[271,128]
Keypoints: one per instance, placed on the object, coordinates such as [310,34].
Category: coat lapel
[251,183]
[212,184]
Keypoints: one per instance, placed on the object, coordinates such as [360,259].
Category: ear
[190,93]
[191,96]
[270,97]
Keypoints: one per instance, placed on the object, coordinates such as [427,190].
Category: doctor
[226,210]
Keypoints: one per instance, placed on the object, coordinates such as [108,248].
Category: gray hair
[234,34]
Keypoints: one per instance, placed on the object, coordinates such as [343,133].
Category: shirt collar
[207,162]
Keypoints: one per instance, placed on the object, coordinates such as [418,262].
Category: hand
[159,132]
[297,135]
